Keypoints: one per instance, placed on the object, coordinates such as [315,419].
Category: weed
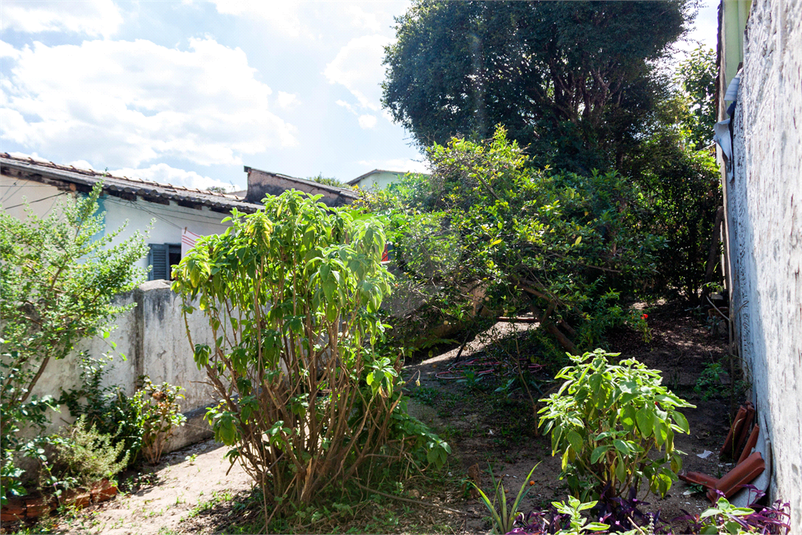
[208,505]
[503,517]
[708,384]
[425,394]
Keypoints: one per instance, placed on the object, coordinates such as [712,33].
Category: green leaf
[681,421]
[576,440]
[620,470]
[644,417]
[621,446]
[628,418]
[597,453]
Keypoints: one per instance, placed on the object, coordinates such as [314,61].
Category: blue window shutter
[158,260]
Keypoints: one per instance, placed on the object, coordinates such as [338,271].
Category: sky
[188,92]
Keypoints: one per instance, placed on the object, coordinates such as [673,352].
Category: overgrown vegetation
[87,455]
[58,277]
[576,97]
[292,293]
[487,232]
[106,408]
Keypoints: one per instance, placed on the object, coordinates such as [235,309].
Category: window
[162,257]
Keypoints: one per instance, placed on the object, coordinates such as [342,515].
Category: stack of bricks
[26,508]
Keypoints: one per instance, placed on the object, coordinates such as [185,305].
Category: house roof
[73,178]
[360,177]
[291,180]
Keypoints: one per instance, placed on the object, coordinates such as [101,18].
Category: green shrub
[608,421]
[105,407]
[292,294]
[158,414]
[87,455]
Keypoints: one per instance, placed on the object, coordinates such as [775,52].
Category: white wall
[765,214]
[170,219]
[153,339]
[15,192]
[380,180]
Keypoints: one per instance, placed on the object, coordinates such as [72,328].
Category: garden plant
[58,277]
[614,425]
[292,293]
[157,415]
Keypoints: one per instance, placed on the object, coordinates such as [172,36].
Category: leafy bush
[487,232]
[607,421]
[158,414]
[105,407]
[292,294]
[58,276]
[87,455]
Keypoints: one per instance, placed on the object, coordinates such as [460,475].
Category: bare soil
[196,490]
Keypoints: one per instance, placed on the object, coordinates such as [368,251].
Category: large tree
[572,81]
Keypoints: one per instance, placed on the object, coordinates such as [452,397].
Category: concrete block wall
[152,337]
[765,233]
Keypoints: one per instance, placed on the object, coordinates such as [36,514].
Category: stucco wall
[153,339]
[15,192]
[379,180]
[765,214]
[168,221]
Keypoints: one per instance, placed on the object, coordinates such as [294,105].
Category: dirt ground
[503,434]
[195,490]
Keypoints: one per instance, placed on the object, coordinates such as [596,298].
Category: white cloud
[124,103]
[89,17]
[358,67]
[281,15]
[362,19]
[81,164]
[367,121]
[288,101]
[398,164]
[347,106]
[8,51]
[170,175]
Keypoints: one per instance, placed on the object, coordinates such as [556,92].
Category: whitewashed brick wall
[765,227]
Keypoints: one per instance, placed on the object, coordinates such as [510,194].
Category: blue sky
[189,91]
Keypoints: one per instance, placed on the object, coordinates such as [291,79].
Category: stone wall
[152,338]
[765,233]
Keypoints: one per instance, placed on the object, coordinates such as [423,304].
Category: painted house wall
[378,180]
[733,16]
[765,233]
[168,220]
[16,191]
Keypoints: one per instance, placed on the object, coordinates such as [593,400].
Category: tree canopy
[571,81]
[561,245]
